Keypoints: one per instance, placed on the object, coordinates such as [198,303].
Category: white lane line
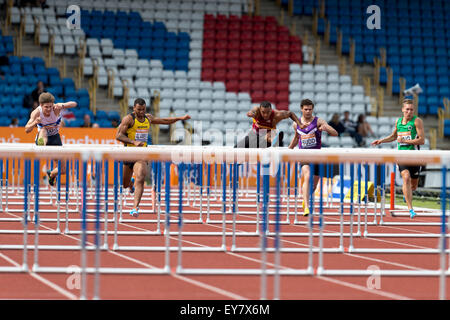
[47,282]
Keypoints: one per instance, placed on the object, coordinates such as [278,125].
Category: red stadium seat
[283,76]
[246,36]
[250,54]
[283,37]
[221,25]
[258,65]
[209,24]
[271,56]
[208,74]
[296,57]
[209,44]
[234,35]
[258,75]
[283,56]
[232,75]
[232,86]
[245,75]
[233,54]
[220,74]
[282,86]
[209,34]
[209,16]
[233,45]
[245,85]
[270,96]
[270,85]
[220,54]
[271,46]
[283,105]
[258,85]
[233,64]
[271,75]
[221,44]
[244,65]
[222,35]
[246,55]
[257,96]
[270,36]
[259,36]
[208,63]
[220,64]
[208,54]
[283,47]
[258,55]
[270,65]
[283,66]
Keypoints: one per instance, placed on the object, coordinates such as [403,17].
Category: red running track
[173,286]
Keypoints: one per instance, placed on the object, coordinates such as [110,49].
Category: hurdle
[227,191]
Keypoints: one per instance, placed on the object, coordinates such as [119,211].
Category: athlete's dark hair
[139,101]
[265,104]
[306,102]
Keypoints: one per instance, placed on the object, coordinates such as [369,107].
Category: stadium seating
[415,34]
[207,58]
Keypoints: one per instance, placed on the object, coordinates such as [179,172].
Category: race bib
[404,136]
[308,140]
[141,135]
[51,131]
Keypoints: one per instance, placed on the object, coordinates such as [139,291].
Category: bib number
[405,136]
[141,136]
[308,140]
[51,131]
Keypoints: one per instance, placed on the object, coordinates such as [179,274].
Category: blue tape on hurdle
[321,195]
[277,212]
[266,193]
[224,187]
[208,186]
[116,169]
[167,185]
[98,182]
[181,168]
[84,207]
[258,182]
[235,182]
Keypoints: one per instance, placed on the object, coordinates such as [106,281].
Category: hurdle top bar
[218,154]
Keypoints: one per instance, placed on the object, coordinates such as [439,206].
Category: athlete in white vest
[47,118]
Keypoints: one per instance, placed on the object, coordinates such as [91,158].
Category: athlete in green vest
[410,134]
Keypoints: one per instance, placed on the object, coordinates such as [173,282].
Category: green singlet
[406,131]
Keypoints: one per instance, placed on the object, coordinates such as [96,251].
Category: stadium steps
[328,56]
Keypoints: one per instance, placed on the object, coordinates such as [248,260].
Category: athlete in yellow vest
[133,131]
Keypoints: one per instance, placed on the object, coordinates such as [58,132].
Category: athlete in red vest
[263,132]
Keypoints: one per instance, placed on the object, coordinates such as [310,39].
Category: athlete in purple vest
[309,136]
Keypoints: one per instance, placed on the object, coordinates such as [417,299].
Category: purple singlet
[310,137]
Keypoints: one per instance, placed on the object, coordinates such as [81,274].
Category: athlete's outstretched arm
[65,105]
[253,112]
[34,120]
[294,141]
[284,114]
[170,120]
[122,132]
[389,138]
[324,126]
